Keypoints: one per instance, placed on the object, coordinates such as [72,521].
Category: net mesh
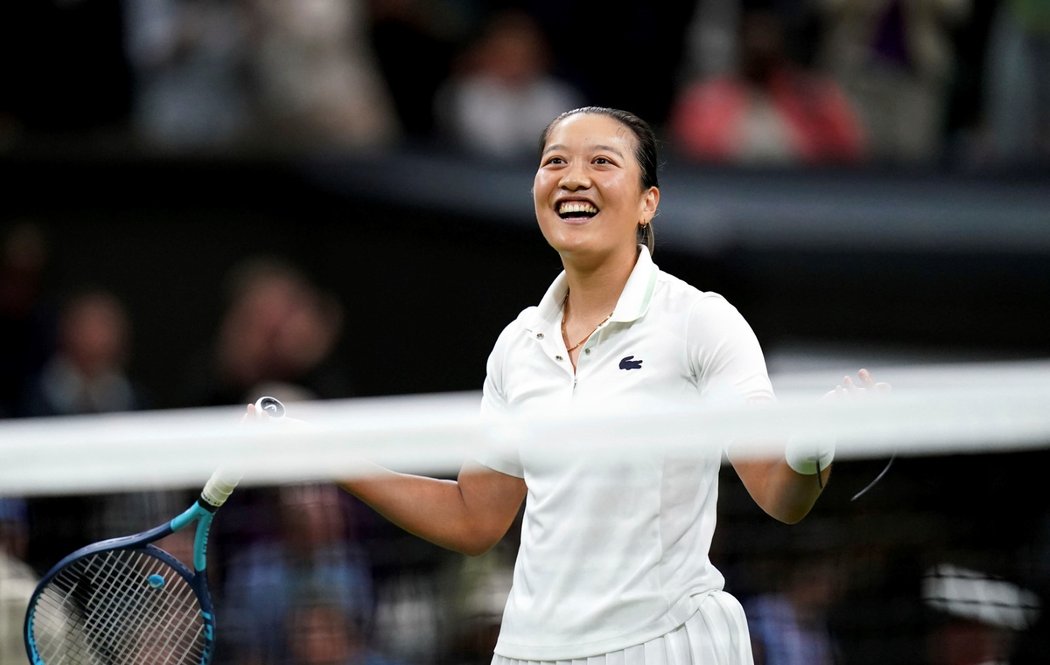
[118,607]
[944,561]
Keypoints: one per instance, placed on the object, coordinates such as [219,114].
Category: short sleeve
[499,451]
[726,356]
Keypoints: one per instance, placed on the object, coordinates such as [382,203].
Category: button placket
[549,348]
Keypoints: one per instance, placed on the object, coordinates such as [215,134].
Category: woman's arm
[779,489]
[467,515]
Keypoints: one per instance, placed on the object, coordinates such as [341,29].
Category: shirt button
[558,358]
[539,335]
[587,351]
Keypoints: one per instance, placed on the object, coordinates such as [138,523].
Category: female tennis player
[613,565]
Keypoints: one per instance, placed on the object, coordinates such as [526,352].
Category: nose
[575,178]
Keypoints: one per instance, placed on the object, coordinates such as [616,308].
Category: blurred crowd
[778,82]
[304,573]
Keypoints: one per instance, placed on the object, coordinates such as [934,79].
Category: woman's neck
[594,290]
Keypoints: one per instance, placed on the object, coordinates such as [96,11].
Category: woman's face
[588,193]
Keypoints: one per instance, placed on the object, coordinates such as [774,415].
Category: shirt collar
[632,304]
[638,292]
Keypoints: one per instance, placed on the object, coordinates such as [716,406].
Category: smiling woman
[613,564]
[632,152]
[593,201]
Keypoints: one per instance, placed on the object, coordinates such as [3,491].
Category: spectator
[789,625]
[978,616]
[318,81]
[895,60]
[711,40]
[503,93]
[321,631]
[87,373]
[311,548]
[277,335]
[188,63]
[770,111]
[17,581]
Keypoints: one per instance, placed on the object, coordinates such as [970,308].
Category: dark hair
[645,151]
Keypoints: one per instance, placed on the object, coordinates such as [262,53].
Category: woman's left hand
[864,384]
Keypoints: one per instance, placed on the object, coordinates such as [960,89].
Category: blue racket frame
[200,512]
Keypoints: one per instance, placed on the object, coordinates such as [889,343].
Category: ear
[650,202]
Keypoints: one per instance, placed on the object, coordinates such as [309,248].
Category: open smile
[576,210]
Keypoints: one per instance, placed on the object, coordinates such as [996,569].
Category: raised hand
[864,384]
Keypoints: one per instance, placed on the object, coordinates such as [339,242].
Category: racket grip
[270,406]
[222,483]
[220,486]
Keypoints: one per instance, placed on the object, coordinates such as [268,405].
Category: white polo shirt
[612,554]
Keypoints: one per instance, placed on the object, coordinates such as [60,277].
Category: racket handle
[220,486]
[222,483]
[270,406]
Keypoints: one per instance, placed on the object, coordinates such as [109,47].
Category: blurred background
[206,200]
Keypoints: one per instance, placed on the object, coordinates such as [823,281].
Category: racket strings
[119,607]
[144,603]
[134,622]
[160,624]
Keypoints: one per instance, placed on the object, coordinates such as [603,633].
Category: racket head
[121,605]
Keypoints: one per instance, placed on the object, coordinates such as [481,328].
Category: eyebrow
[597,148]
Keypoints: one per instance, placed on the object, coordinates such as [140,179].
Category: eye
[603,161]
[554,161]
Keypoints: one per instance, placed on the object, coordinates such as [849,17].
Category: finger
[838,392]
[249,413]
[866,378]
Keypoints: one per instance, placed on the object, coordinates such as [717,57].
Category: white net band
[945,410]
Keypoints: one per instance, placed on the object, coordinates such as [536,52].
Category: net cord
[930,411]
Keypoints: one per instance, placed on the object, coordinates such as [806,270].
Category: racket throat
[200,542]
[202,513]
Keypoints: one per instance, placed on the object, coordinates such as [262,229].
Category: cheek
[548,226]
[541,186]
[541,190]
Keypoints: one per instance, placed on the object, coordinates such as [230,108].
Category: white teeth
[570,207]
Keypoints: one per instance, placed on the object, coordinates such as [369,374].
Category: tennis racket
[125,601]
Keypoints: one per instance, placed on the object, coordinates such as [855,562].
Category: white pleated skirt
[715,635]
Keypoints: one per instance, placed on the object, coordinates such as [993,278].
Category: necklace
[565,335]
